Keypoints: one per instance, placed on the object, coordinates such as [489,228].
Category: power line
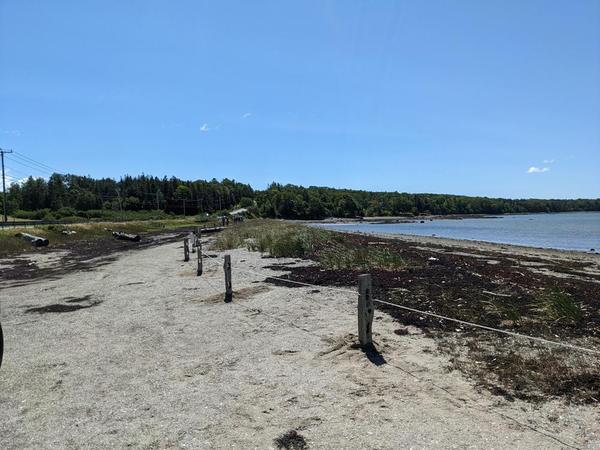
[12,170]
[29,166]
[36,164]
[27,158]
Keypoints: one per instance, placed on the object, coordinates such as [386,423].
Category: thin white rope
[205,278]
[484,327]
[211,285]
[300,283]
[451,319]
[331,288]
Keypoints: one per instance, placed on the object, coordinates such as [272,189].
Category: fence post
[199,256]
[193,240]
[186,249]
[365,311]
[228,288]
[198,236]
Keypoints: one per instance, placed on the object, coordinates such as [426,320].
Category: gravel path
[142,353]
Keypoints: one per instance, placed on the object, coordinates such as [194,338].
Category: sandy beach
[137,351]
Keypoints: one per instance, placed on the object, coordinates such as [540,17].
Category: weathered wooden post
[197,237]
[365,311]
[228,288]
[199,256]
[193,239]
[186,249]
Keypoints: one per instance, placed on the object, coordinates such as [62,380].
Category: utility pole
[157,200]
[2,152]
[118,191]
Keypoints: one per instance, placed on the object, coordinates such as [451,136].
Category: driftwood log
[212,230]
[36,241]
[126,236]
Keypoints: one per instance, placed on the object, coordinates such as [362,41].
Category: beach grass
[281,239]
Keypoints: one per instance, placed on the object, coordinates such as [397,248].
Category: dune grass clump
[559,306]
[340,256]
[278,239]
[285,240]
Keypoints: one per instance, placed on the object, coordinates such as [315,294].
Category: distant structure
[239,212]
[238,215]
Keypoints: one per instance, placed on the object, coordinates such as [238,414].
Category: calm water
[571,231]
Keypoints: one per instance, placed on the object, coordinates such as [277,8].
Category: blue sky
[496,98]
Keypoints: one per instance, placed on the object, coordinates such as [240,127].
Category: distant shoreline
[412,230]
[399,219]
[423,218]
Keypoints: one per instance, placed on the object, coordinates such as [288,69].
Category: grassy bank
[554,299]
[286,240]
[10,244]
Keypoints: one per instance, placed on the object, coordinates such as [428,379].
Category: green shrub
[65,212]
[39,214]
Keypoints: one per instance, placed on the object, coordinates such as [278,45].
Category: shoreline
[330,223]
[398,219]
[408,218]
[485,246]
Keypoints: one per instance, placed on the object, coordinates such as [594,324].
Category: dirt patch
[84,255]
[292,440]
[60,308]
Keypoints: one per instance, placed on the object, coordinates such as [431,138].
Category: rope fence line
[272,316]
[430,314]
[497,330]
[300,283]
[262,274]
[541,432]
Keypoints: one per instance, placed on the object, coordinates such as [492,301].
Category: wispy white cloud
[534,169]
[10,132]
[204,127]
[549,161]
[246,115]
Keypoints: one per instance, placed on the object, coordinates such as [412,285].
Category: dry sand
[155,359]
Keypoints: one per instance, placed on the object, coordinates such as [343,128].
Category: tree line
[72,195]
